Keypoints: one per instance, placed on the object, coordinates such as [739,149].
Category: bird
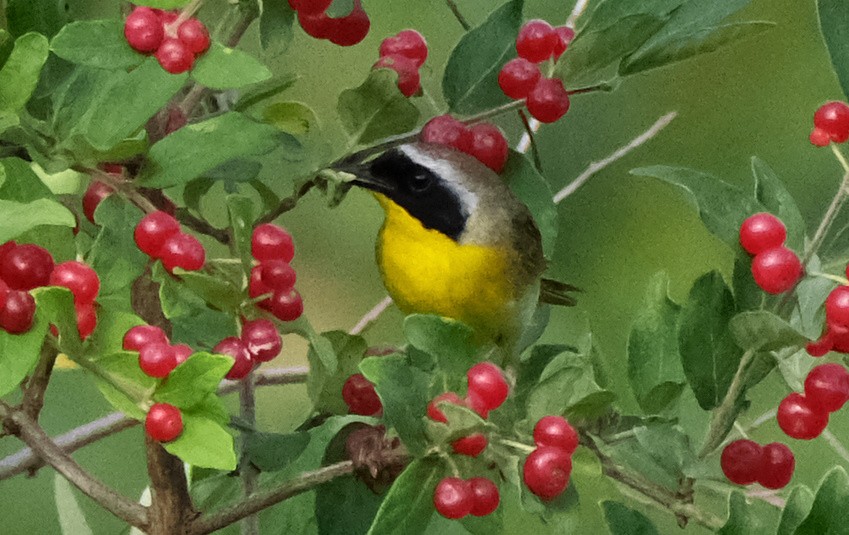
[456,242]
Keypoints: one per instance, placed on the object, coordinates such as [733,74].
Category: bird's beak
[364,178]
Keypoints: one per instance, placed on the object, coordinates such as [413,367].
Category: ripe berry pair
[176,48]
[745,462]
[84,284]
[158,235]
[456,498]
[164,422]
[805,416]
[546,98]
[344,31]
[260,342]
[547,469]
[22,268]
[484,141]
[360,396]
[835,336]
[157,357]
[273,248]
[775,268]
[831,123]
[404,53]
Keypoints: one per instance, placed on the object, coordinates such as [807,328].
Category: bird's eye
[420,182]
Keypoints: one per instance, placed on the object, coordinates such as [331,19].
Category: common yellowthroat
[456,241]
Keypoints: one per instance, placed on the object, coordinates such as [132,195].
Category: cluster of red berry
[775,268]
[805,416]
[157,357]
[84,284]
[484,141]
[745,462]
[359,394]
[835,336]
[175,47]
[260,342]
[158,235]
[343,31]
[831,123]
[547,469]
[273,248]
[546,98]
[404,53]
[456,498]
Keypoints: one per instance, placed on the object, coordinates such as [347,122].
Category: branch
[457,15]
[30,432]
[266,498]
[171,507]
[723,417]
[288,203]
[37,385]
[371,315]
[248,472]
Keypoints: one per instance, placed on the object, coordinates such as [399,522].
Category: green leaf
[114,253]
[221,67]
[533,190]
[196,148]
[163,4]
[741,520]
[275,25]
[215,290]
[77,97]
[242,216]
[376,109]
[71,517]
[108,338]
[760,330]
[721,206]
[829,513]
[130,103]
[654,363]
[122,382]
[345,506]
[96,43]
[271,451]
[43,16]
[811,292]
[56,305]
[834,25]
[409,504]
[668,445]
[403,389]
[568,387]
[798,506]
[193,380]
[747,294]
[708,352]
[20,352]
[624,521]
[18,182]
[450,342]
[19,75]
[17,218]
[324,384]
[470,82]
[771,192]
[290,117]
[260,92]
[203,443]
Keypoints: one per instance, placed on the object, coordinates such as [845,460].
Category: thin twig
[371,316]
[723,416]
[248,473]
[577,11]
[595,167]
[33,399]
[457,15]
[530,129]
[836,444]
[124,188]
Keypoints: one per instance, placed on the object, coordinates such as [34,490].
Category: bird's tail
[555,292]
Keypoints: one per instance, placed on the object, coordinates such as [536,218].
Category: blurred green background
[755,97]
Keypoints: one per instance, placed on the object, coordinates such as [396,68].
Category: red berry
[446,130]
[487,381]
[270,242]
[777,466]
[152,231]
[556,432]
[237,349]
[4,293]
[409,80]
[94,195]
[262,340]
[477,404]
[489,146]
[142,335]
[27,266]
[257,288]
[317,25]
[546,472]
[453,498]
[776,270]
[827,387]
[799,418]
[433,410]
[278,275]
[143,30]
[833,118]
[837,309]
[820,347]
[194,35]
[762,232]
[360,396]
[819,137]
[157,360]
[472,445]
[352,28]
[18,311]
[86,319]
[408,43]
[486,497]
[518,77]
[296,4]
[565,35]
[182,352]
[311,6]
[537,41]
[174,56]
[287,305]
[79,278]
[5,248]
[182,251]
[741,461]
[164,422]
[548,101]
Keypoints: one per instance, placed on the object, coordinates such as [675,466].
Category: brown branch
[247,471]
[30,432]
[35,388]
[288,203]
[200,226]
[457,15]
[171,509]
[266,498]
